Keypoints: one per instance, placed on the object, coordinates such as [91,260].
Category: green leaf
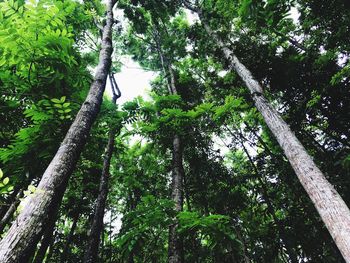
[6,181]
[31,188]
[63,99]
[10,12]
[1,174]
[56,101]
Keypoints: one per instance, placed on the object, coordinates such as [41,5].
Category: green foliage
[150,217]
[5,187]
[242,200]
[213,229]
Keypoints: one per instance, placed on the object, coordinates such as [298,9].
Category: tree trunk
[51,248]
[69,238]
[31,221]
[47,239]
[5,207]
[333,211]
[175,250]
[10,211]
[270,207]
[91,252]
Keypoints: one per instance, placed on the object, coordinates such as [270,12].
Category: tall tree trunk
[10,211]
[175,250]
[333,211]
[51,249]
[31,221]
[69,238]
[5,207]
[91,253]
[175,247]
[46,240]
[270,207]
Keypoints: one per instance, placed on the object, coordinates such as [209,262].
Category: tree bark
[175,247]
[10,211]
[46,240]
[91,253]
[31,221]
[270,207]
[333,211]
[69,238]
[5,207]
[175,251]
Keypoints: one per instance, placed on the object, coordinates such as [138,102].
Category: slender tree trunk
[5,207]
[51,248]
[270,207]
[175,247]
[333,211]
[175,241]
[31,221]
[46,240]
[175,250]
[10,211]
[69,238]
[91,253]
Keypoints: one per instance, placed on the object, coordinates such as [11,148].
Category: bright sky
[132,80]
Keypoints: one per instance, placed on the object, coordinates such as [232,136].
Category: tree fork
[34,217]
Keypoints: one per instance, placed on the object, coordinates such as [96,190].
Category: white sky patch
[132,81]
[191,17]
[294,14]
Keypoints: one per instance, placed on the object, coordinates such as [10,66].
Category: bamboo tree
[333,211]
[35,216]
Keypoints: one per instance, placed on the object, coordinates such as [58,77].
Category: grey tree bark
[34,217]
[175,246]
[175,250]
[91,252]
[47,239]
[10,211]
[331,207]
[66,249]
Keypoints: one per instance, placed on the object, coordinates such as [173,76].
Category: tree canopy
[239,152]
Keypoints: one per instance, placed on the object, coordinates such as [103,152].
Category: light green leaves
[5,188]
[61,107]
[30,190]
